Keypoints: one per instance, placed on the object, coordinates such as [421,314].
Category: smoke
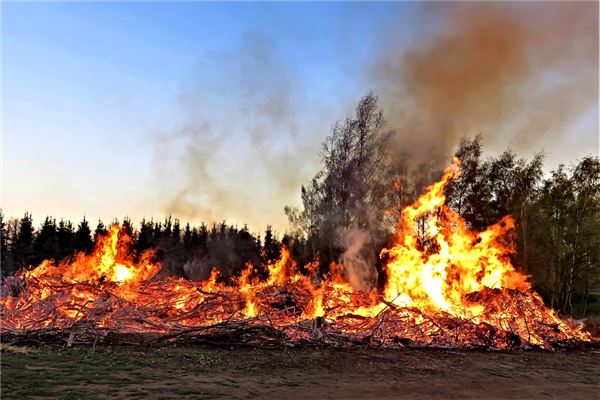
[522,74]
[241,149]
[358,259]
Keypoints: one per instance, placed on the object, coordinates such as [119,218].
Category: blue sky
[101,100]
[85,85]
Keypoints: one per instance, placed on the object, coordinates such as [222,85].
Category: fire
[278,271]
[437,269]
[122,273]
[246,286]
[446,286]
[111,261]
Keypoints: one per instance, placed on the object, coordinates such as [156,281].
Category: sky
[206,111]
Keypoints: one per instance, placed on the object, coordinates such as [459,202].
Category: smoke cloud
[521,74]
[242,153]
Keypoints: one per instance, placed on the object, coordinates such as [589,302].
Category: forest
[350,209]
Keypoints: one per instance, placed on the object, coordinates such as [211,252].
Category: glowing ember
[446,286]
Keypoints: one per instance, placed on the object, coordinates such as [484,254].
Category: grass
[66,373]
[212,373]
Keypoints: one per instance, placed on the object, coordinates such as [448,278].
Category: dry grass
[197,372]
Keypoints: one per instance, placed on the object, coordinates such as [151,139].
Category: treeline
[189,251]
[351,207]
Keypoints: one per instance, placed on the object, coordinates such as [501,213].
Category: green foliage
[565,227]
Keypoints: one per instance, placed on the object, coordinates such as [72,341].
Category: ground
[207,373]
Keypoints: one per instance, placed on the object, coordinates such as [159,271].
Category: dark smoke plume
[522,74]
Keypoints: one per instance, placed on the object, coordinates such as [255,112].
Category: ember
[447,286]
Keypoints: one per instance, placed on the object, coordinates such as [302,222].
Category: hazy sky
[207,111]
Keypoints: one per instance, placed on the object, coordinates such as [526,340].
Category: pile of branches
[166,312]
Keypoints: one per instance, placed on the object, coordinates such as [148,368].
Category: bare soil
[213,373]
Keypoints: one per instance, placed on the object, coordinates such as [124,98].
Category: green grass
[195,372]
[67,373]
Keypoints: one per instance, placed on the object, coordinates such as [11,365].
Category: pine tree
[145,239]
[176,234]
[126,226]
[9,265]
[100,231]
[167,227]
[45,244]
[66,239]
[203,237]
[156,232]
[187,236]
[83,237]
[23,246]
[271,248]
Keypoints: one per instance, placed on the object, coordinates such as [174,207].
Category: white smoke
[358,260]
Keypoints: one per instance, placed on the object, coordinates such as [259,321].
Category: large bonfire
[447,286]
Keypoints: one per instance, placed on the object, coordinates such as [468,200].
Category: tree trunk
[586,298]
[571,283]
[525,265]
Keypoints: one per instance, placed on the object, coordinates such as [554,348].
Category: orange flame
[435,269]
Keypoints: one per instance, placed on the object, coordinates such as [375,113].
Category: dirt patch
[196,372]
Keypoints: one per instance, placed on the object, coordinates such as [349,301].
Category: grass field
[207,373]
